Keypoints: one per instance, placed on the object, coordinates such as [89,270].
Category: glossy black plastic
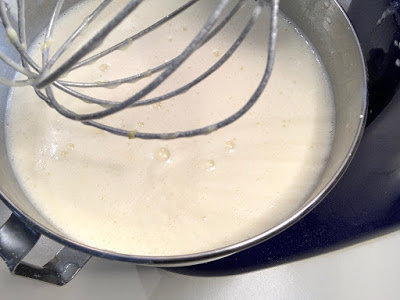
[366,201]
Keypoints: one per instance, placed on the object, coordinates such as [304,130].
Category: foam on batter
[188,195]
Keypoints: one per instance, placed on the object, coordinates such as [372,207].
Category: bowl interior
[327,28]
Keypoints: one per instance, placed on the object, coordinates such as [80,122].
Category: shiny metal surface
[17,240]
[329,30]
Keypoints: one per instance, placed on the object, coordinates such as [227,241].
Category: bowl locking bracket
[16,241]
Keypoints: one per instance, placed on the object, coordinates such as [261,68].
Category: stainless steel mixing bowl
[329,30]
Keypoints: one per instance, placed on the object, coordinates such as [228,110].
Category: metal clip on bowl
[17,239]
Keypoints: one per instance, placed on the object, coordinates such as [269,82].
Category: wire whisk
[46,77]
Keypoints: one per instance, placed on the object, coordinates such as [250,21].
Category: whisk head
[48,76]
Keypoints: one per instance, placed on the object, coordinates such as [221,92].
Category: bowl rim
[210,255]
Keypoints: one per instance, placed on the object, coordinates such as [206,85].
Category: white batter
[187,195]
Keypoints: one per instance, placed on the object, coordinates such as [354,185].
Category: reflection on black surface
[379,37]
[365,202]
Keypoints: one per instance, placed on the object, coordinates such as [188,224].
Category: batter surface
[181,196]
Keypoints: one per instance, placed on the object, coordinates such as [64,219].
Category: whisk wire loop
[43,78]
